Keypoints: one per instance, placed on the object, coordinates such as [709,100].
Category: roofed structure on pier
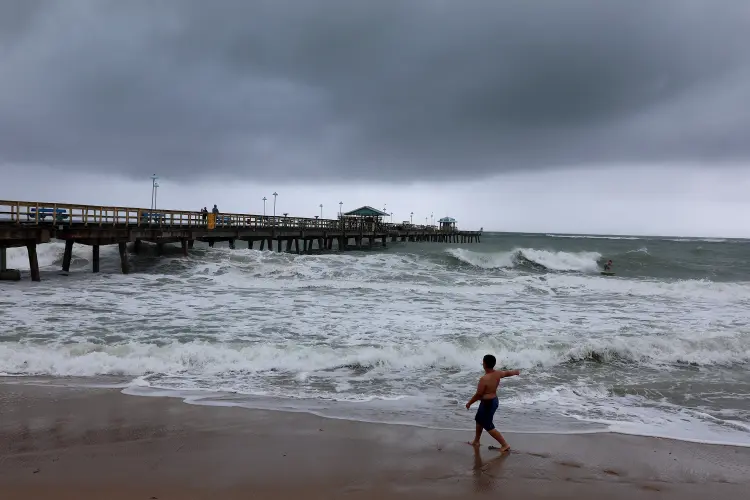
[366,211]
[447,224]
[363,219]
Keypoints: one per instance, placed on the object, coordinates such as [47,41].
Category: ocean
[397,335]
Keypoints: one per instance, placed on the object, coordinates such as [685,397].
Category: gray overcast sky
[593,103]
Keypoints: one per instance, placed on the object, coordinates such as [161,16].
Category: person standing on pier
[487,396]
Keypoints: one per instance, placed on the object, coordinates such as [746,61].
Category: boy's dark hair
[489,361]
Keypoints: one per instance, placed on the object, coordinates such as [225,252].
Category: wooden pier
[28,224]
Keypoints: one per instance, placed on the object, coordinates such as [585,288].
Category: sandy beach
[65,443]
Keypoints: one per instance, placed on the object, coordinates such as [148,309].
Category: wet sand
[74,443]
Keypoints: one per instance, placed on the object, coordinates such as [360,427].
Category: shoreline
[74,442]
[206,401]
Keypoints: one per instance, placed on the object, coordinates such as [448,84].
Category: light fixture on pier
[275,194]
[321,210]
[156,192]
[264,207]
[411,218]
[153,189]
[341,205]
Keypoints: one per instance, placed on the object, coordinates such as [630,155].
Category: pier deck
[28,224]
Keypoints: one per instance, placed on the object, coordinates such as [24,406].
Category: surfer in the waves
[487,396]
[608,265]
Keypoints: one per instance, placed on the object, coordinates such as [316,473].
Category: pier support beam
[278,244]
[289,245]
[211,244]
[67,255]
[137,247]
[296,245]
[124,264]
[184,245]
[33,262]
[249,244]
[95,254]
[5,273]
[262,244]
[190,244]
[231,244]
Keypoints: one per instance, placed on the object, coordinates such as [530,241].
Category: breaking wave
[206,360]
[529,258]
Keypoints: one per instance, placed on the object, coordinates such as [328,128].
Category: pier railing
[70,214]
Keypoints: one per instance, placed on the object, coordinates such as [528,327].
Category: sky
[577,116]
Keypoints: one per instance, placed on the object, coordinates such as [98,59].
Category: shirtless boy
[487,396]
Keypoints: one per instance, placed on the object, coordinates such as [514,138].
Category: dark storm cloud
[379,90]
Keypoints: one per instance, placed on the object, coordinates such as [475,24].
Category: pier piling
[67,255]
[124,264]
[33,262]
[95,255]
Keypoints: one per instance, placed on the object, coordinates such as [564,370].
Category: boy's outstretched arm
[509,373]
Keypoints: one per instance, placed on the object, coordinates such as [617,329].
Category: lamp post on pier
[156,192]
[153,190]
[275,194]
[432,219]
[341,204]
[411,218]
[264,207]
[321,210]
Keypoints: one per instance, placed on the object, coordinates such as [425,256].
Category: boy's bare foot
[475,444]
[504,449]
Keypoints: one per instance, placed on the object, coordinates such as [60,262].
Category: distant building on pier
[365,217]
[447,224]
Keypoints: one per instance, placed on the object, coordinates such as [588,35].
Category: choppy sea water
[397,335]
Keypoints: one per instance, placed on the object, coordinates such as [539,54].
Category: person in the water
[487,396]
[608,265]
